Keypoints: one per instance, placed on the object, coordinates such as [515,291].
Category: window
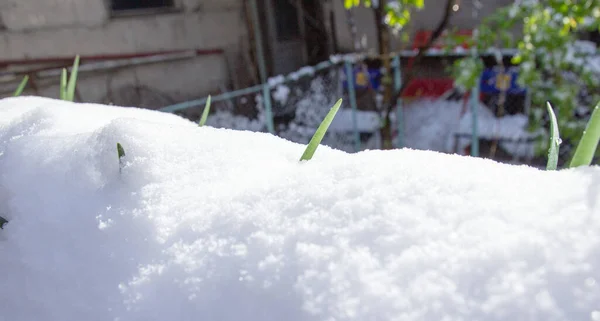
[123,5]
[286,17]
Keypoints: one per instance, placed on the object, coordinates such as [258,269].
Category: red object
[427,87]
[422,37]
[69,59]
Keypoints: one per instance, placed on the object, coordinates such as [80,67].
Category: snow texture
[435,124]
[584,54]
[281,94]
[215,224]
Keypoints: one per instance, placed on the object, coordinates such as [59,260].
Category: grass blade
[120,154]
[3,221]
[589,141]
[320,133]
[21,87]
[70,95]
[63,85]
[554,141]
[205,112]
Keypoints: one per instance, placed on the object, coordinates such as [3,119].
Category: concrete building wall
[51,28]
[468,16]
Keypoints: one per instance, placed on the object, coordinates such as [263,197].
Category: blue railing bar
[474,112]
[474,119]
[352,98]
[268,108]
[202,101]
[232,94]
[399,112]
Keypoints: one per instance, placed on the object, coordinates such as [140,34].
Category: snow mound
[217,224]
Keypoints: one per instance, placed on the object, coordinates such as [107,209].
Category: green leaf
[589,142]
[205,112]
[3,221]
[554,141]
[70,94]
[120,154]
[320,133]
[21,87]
[63,85]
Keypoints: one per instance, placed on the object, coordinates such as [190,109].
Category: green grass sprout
[70,93]
[120,154]
[320,133]
[554,141]
[21,87]
[205,112]
[63,85]
[584,153]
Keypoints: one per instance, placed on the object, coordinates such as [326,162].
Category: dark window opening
[118,5]
[286,16]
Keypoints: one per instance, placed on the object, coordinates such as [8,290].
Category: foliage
[554,141]
[320,133]
[552,65]
[589,141]
[120,154]
[67,88]
[205,112]
[21,87]
[397,12]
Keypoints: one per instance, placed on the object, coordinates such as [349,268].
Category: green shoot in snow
[554,141]
[73,80]
[584,153]
[67,87]
[63,85]
[205,112]
[21,87]
[320,133]
[120,154]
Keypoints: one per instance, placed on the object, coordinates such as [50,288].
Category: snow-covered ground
[428,125]
[434,124]
[216,224]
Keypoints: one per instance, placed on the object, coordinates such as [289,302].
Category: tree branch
[420,54]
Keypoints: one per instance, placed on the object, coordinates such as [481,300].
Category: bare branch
[420,54]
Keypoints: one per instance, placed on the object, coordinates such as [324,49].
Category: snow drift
[216,224]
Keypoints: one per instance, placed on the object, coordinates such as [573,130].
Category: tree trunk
[383,38]
[390,99]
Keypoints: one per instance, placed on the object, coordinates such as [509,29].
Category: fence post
[268,108]
[352,98]
[474,121]
[399,112]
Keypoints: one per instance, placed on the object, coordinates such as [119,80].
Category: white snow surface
[217,224]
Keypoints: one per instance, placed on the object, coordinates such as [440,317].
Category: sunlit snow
[216,224]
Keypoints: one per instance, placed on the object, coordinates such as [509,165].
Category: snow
[304,71]
[434,124]
[281,93]
[585,54]
[274,81]
[217,224]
